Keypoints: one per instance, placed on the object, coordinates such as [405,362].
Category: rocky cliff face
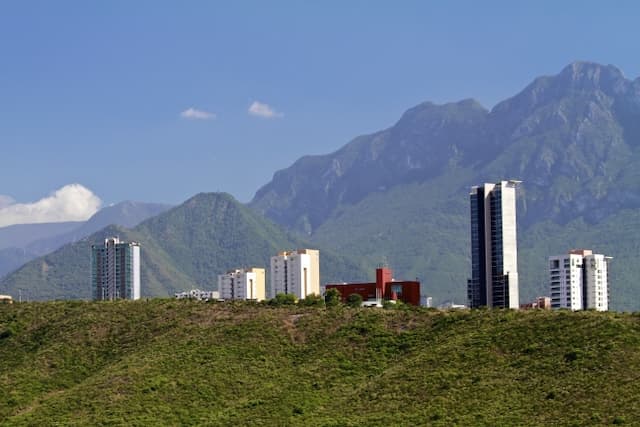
[572,138]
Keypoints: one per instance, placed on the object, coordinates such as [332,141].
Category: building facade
[295,272]
[115,270]
[542,303]
[566,281]
[494,252]
[242,284]
[579,280]
[385,287]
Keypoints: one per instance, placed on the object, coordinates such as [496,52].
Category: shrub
[332,297]
[354,300]
[283,299]
[312,300]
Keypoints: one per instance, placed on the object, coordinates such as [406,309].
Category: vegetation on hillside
[176,362]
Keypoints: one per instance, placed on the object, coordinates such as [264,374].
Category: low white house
[198,295]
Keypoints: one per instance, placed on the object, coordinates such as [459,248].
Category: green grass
[168,362]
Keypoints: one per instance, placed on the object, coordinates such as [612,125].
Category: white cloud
[193,114]
[263,110]
[5,201]
[72,202]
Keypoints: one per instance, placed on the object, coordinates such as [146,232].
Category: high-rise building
[579,280]
[566,281]
[494,253]
[244,284]
[115,270]
[296,272]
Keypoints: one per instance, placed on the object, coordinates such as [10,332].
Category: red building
[383,288]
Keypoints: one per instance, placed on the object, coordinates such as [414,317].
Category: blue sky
[92,92]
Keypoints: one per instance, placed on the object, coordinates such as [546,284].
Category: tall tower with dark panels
[494,253]
[115,270]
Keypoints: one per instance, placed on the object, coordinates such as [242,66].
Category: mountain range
[400,196]
[402,193]
[183,248]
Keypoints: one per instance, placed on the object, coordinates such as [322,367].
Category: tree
[332,297]
[354,300]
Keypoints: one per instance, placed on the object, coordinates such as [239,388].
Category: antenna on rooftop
[384,262]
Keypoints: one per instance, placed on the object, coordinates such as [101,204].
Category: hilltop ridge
[183,362]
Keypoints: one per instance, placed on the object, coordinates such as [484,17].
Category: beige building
[296,272]
[243,284]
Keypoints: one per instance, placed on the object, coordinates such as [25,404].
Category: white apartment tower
[494,249]
[242,284]
[296,272]
[579,280]
[115,270]
[565,279]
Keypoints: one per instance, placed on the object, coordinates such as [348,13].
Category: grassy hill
[169,362]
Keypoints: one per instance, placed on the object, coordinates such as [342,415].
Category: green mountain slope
[183,248]
[167,362]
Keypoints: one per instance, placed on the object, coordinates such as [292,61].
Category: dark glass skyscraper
[494,254]
[115,270]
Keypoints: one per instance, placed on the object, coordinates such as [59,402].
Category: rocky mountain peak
[590,76]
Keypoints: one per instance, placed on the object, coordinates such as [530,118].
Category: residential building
[385,287]
[566,282]
[244,284]
[115,270]
[579,280]
[296,272]
[494,254]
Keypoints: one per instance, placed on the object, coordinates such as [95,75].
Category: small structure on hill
[199,295]
[450,305]
[542,303]
[6,299]
[384,288]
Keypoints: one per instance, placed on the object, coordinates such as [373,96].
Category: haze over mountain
[401,194]
[23,242]
[21,235]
